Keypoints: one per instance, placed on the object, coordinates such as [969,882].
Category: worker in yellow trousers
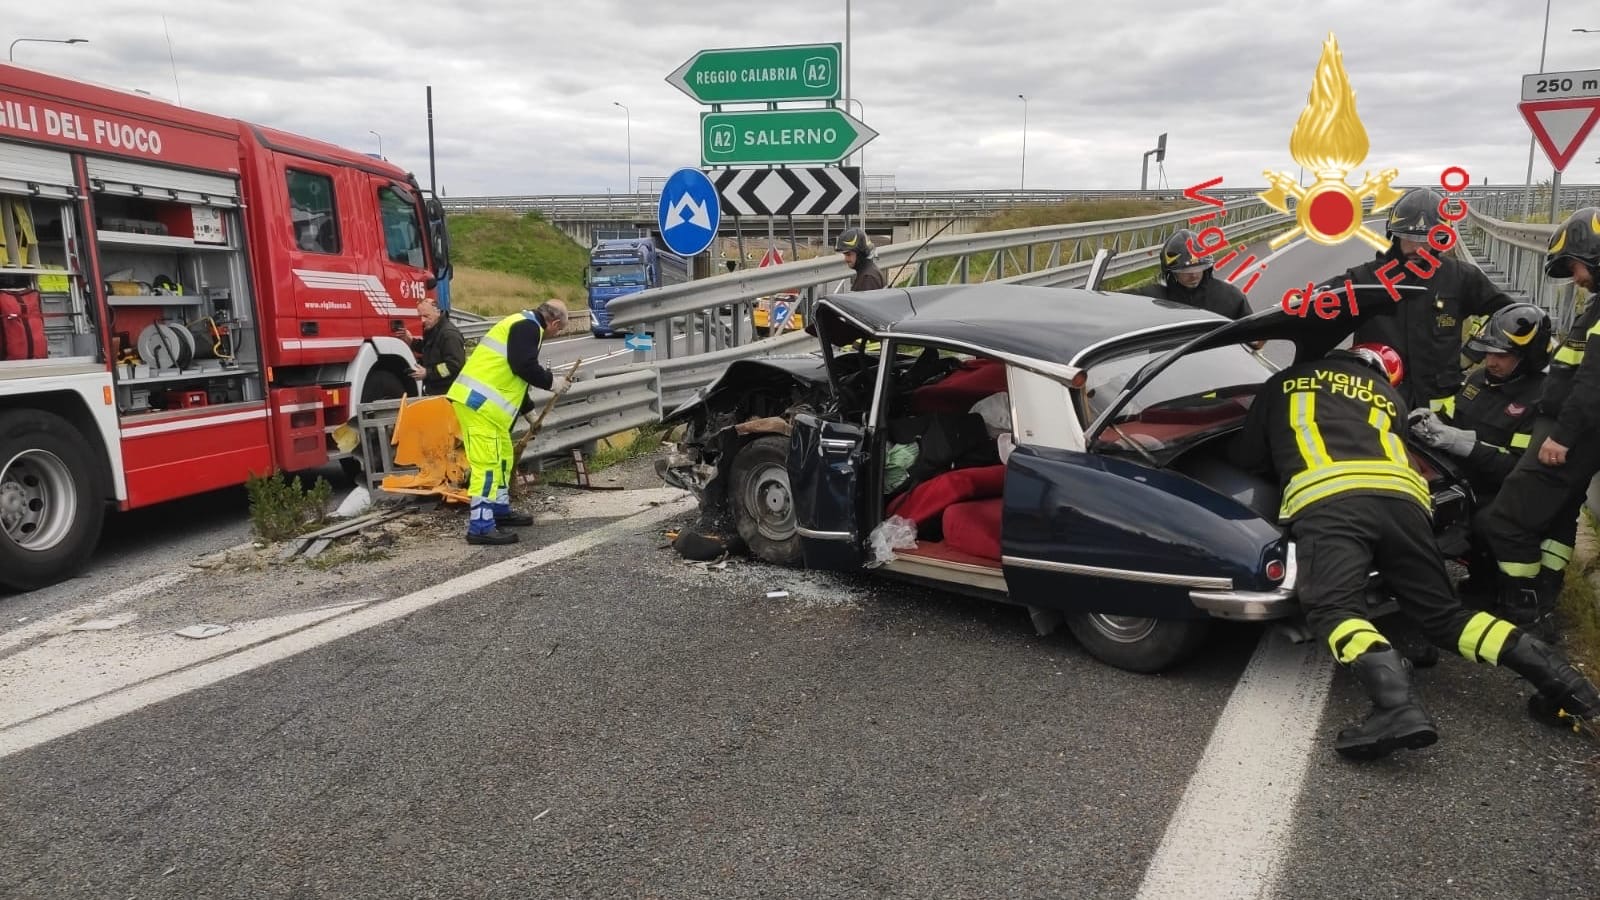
[487,396]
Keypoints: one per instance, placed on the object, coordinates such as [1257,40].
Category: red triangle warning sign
[771,258]
[1561,125]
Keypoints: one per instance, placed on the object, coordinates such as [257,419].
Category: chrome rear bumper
[1253,606]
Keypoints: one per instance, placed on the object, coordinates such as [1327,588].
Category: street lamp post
[1527,188]
[380,141]
[628,119]
[1024,141]
[11,53]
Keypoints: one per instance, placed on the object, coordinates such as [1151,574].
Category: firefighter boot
[511,518]
[1528,604]
[1566,698]
[1397,719]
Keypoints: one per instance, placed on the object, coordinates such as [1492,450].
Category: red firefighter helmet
[1383,358]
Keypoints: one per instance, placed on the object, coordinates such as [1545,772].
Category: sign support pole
[1555,197]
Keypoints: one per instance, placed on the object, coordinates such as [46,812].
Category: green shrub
[282,507]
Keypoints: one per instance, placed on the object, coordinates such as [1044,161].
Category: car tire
[763,504]
[51,507]
[381,384]
[1138,644]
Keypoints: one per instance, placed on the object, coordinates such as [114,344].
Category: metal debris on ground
[310,546]
[201,632]
[777,595]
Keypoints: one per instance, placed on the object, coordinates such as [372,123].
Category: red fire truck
[185,300]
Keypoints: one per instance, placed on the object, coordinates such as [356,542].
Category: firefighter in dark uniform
[1426,328]
[1528,527]
[1332,430]
[857,250]
[1190,280]
[1488,424]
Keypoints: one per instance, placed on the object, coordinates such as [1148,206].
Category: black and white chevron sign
[831,191]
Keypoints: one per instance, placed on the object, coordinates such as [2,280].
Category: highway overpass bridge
[891,216]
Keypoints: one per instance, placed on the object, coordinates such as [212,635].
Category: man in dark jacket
[441,349]
[1189,279]
[857,250]
[1427,328]
[1332,431]
[1489,423]
[1541,499]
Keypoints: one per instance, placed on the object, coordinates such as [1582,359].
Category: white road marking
[1231,830]
[63,621]
[154,690]
[71,669]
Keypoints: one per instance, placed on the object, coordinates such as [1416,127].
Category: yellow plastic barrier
[427,435]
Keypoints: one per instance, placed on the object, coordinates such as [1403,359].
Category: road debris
[777,595]
[106,624]
[201,632]
[310,546]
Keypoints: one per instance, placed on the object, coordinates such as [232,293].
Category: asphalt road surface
[586,715]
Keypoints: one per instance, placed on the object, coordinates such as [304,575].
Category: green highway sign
[761,74]
[779,137]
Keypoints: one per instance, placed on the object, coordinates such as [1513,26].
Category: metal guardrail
[1512,255]
[594,408]
[901,203]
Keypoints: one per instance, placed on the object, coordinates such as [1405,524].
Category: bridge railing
[1512,255]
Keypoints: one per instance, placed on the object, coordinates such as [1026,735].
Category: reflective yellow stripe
[1391,441]
[1472,635]
[1569,355]
[1303,410]
[1357,636]
[1483,638]
[1555,555]
[1595,328]
[1519,570]
[1447,406]
[1519,441]
[1376,474]
[443,369]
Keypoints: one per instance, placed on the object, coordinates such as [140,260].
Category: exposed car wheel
[763,505]
[51,510]
[1136,643]
[381,384]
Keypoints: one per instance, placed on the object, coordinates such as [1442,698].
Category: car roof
[1046,323]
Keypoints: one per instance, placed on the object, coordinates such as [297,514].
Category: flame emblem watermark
[1330,140]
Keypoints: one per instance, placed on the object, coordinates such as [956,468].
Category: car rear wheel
[1136,643]
[763,505]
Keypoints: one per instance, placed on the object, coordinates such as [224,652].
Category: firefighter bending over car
[1332,430]
[1488,425]
[487,396]
[1530,524]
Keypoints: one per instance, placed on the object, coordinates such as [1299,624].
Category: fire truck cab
[186,300]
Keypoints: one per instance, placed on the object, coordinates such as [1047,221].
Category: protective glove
[1451,440]
[1424,424]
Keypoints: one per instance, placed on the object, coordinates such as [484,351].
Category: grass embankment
[1580,603]
[505,263]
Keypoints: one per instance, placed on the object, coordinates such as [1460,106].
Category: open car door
[826,460]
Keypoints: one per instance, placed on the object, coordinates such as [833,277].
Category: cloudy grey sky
[523,89]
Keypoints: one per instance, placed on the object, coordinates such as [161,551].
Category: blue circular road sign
[689,212]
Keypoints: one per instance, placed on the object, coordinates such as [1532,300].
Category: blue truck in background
[620,266]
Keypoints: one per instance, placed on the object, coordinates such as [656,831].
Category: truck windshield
[616,275]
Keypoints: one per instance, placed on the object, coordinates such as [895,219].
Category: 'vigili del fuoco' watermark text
[1330,141]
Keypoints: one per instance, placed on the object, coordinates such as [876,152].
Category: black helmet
[1177,255]
[1578,238]
[854,239]
[1521,329]
[1415,215]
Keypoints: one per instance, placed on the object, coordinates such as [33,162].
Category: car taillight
[1275,571]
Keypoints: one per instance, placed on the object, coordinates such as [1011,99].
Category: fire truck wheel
[51,510]
[381,384]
